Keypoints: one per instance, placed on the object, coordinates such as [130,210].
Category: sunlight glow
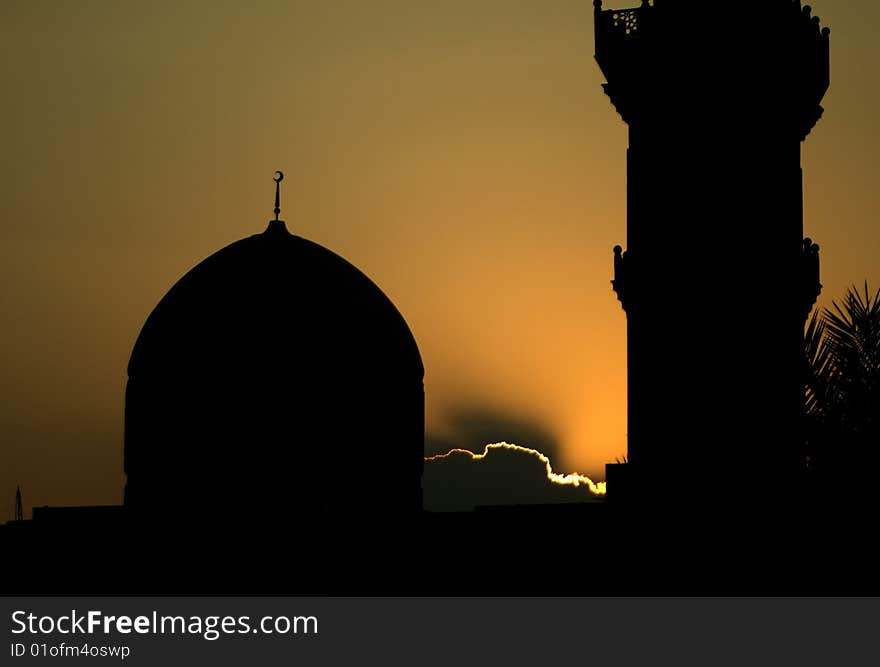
[571,479]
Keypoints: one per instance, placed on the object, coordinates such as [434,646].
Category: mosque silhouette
[266,371]
[275,402]
[275,408]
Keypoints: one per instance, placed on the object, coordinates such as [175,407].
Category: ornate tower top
[672,55]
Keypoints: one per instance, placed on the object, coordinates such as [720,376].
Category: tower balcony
[631,279]
[619,29]
[684,52]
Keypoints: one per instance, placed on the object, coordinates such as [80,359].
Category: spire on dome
[279,176]
[276,226]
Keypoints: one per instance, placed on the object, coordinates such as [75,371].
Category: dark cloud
[473,428]
[502,475]
[518,475]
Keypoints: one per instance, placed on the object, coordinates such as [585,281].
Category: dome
[271,371]
[278,295]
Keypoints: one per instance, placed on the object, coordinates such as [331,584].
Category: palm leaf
[842,347]
[818,373]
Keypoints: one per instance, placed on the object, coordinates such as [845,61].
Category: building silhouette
[274,422]
[273,380]
[19,510]
[717,278]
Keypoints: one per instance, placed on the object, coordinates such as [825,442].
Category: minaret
[717,279]
[19,510]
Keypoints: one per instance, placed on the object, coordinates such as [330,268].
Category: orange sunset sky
[462,154]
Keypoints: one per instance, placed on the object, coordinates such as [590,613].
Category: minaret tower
[716,279]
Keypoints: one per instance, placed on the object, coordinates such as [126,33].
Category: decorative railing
[625,21]
[616,25]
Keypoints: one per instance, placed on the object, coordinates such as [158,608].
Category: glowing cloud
[571,479]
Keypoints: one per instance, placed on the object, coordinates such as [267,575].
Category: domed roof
[275,301]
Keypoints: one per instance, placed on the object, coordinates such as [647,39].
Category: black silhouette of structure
[19,510]
[275,383]
[274,420]
[272,383]
[717,279]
